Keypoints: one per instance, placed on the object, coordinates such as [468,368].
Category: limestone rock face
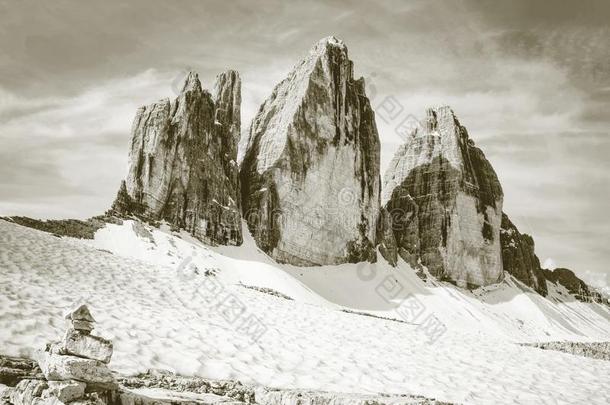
[310,174]
[445,201]
[182,161]
[519,258]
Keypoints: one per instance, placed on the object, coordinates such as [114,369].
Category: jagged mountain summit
[445,202]
[309,185]
[310,175]
[182,161]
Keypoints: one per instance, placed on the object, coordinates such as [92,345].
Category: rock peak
[191,83]
[441,107]
[313,152]
[451,222]
[439,117]
[333,40]
[326,44]
[229,73]
[182,162]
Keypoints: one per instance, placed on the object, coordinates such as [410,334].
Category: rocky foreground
[22,383]
[75,371]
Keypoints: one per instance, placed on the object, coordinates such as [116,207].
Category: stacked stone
[76,368]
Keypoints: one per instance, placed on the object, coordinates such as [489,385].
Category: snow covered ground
[168,302]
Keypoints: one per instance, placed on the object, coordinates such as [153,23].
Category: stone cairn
[75,369]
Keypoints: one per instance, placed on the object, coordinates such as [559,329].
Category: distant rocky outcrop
[445,203]
[182,162]
[520,260]
[594,350]
[574,285]
[310,175]
[519,257]
[73,228]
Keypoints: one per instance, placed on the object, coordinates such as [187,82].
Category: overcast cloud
[529,79]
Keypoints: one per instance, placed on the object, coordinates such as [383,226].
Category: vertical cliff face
[310,174]
[182,161]
[445,202]
[519,258]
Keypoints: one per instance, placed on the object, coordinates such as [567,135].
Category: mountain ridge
[310,186]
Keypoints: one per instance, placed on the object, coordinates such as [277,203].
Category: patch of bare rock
[155,381]
[73,228]
[269,291]
[594,350]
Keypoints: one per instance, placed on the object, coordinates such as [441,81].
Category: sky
[530,80]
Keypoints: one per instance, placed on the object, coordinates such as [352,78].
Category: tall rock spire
[445,202]
[182,161]
[310,174]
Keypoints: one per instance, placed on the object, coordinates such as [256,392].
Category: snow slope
[169,302]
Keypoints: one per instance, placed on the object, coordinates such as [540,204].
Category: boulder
[5,394]
[95,399]
[65,391]
[57,367]
[310,174]
[83,326]
[445,202]
[14,369]
[28,392]
[87,346]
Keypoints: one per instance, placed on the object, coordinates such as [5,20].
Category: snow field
[152,298]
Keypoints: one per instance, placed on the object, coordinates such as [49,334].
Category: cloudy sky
[530,80]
